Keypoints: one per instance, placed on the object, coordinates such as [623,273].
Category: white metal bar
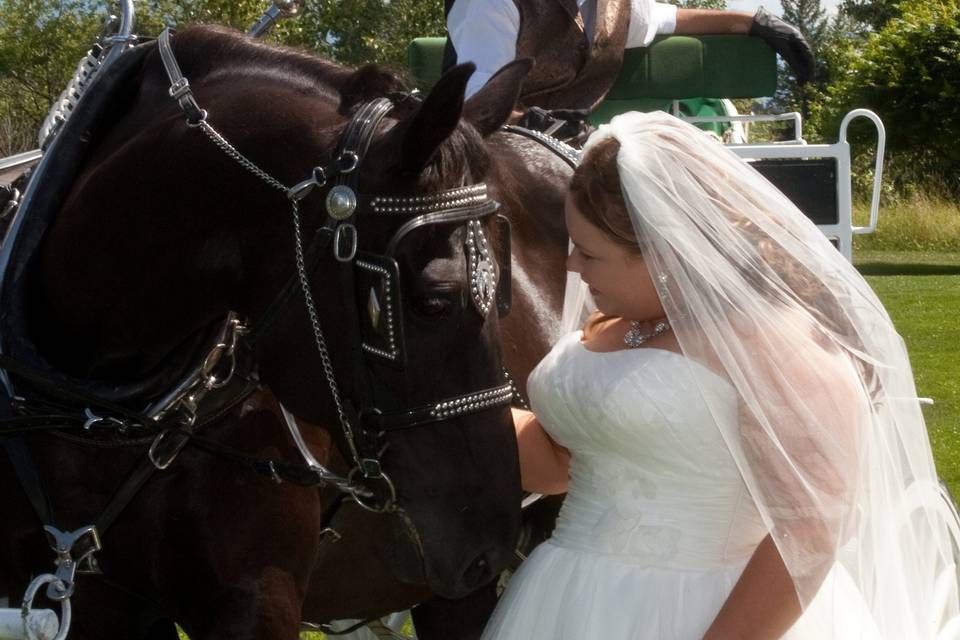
[21,158]
[42,624]
[793,116]
[842,231]
[878,162]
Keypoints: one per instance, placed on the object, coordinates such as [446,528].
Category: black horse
[162,233]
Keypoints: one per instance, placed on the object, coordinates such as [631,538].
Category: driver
[578,45]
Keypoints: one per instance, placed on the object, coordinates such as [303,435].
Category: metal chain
[229,149]
[318,332]
[319,339]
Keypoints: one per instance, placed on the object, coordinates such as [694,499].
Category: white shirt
[485,31]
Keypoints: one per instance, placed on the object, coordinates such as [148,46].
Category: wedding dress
[658,524]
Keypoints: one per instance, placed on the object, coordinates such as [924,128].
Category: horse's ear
[491,106]
[436,119]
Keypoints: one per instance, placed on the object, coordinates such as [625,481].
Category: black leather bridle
[364,417]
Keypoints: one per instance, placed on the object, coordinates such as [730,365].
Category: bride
[736,424]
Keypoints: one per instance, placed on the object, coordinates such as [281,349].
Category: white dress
[657,524]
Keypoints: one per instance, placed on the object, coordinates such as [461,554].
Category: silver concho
[482,272]
[341,202]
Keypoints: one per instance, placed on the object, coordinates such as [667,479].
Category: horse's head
[412,330]
[164,232]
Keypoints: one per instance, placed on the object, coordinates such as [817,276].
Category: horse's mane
[212,51]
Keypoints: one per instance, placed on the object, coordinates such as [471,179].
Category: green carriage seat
[697,70]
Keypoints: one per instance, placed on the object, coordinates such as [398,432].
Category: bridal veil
[831,442]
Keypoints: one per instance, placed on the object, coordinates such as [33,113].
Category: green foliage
[921,223]
[41,42]
[698,4]
[361,31]
[870,15]
[909,73]
[810,18]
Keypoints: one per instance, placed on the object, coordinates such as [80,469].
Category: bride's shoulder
[595,325]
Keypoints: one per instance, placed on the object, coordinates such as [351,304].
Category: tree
[698,4]
[362,31]
[870,15]
[41,42]
[909,73]
[810,18]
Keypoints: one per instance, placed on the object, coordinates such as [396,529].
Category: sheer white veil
[831,442]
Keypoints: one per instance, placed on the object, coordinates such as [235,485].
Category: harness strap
[566,153]
[66,391]
[450,408]
[180,86]
[166,449]
[26,470]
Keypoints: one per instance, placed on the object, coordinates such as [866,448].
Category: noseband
[377,333]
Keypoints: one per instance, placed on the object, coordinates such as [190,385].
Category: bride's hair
[595,189]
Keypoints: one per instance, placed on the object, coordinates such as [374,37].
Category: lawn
[922,293]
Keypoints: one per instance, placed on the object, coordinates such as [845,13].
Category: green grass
[921,290]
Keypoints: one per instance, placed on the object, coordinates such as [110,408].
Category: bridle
[378,333]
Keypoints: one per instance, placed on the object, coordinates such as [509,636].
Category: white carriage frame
[843,230]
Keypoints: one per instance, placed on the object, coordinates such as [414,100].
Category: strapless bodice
[651,479]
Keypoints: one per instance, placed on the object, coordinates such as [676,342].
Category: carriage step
[41,624]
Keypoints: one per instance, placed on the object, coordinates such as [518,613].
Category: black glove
[786,40]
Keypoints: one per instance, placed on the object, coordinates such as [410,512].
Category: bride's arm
[544,464]
[763,603]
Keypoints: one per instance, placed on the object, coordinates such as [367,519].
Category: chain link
[229,149]
[319,339]
[318,332]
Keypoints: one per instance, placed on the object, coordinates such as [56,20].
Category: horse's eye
[433,306]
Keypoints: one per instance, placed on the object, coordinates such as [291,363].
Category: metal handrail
[878,163]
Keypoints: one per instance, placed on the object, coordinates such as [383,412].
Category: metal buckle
[179,88]
[388,505]
[352,160]
[351,237]
[87,542]
[299,191]
[152,453]
[93,419]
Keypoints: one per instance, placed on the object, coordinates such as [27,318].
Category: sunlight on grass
[925,309]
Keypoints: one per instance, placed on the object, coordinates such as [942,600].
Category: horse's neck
[530,181]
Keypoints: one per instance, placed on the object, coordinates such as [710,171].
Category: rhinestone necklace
[634,337]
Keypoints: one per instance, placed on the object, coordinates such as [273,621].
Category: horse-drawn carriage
[217,227]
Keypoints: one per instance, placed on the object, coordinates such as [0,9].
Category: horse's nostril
[477,573]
